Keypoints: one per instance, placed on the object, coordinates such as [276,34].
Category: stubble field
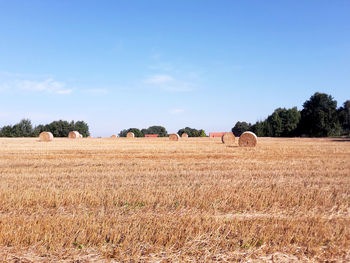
[196,200]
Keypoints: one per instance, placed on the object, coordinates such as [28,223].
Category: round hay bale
[228,138]
[73,135]
[130,135]
[114,136]
[46,136]
[174,137]
[247,139]
[184,135]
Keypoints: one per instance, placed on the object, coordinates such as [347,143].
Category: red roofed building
[216,134]
[151,135]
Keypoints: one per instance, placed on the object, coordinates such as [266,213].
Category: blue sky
[203,64]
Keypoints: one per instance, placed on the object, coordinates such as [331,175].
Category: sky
[203,64]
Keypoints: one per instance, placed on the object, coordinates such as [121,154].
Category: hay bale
[184,135]
[247,139]
[130,135]
[174,137]
[73,135]
[228,138]
[89,137]
[80,136]
[46,136]
[114,136]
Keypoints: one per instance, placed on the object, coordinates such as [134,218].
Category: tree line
[319,117]
[162,132]
[58,128]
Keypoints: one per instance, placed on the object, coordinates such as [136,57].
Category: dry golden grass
[228,138]
[194,201]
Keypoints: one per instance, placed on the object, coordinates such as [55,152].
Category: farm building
[151,135]
[216,134]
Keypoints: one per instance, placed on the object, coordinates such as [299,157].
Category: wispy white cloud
[177,111]
[64,91]
[169,83]
[159,79]
[163,66]
[176,75]
[48,85]
[97,91]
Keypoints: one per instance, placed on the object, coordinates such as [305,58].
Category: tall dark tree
[344,117]
[23,129]
[7,131]
[259,128]
[241,127]
[319,116]
[290,119]
[282,122]
[274,124]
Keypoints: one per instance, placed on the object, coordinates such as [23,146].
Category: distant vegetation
[160,130]
[136,132]
[192,132]
[319,117]
[58,128]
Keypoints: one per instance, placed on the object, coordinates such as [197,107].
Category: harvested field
[194,201]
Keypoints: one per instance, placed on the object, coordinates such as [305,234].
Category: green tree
[6,131]
[123,133]
[190,132]
[23,129]
[319,116]
[82,127]
[38,129]
[282,122]
[241,127]
[344,117]
[60,128]
[290,119]
[275,124]
[202,133]
[136,132]
[259,128]
[160,130]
